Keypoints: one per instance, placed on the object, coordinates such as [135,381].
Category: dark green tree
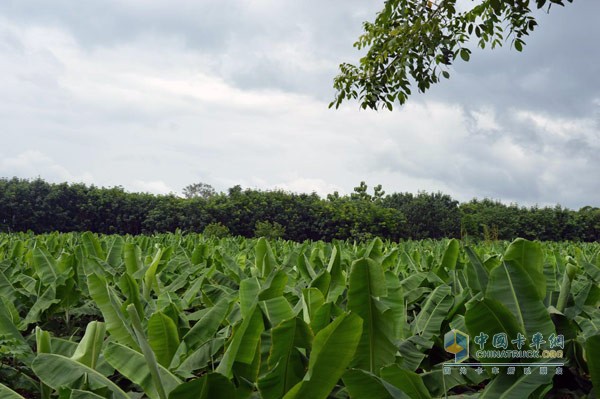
[268,230]
[199,190]
[216,230]
[428,215]
[44,207]
[360,193]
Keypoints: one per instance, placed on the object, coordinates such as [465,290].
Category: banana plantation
[173,316]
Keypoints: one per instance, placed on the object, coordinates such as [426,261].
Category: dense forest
[39,206]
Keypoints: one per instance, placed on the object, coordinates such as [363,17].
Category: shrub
[216,230]
[268,230]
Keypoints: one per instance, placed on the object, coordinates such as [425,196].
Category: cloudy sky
[154,95]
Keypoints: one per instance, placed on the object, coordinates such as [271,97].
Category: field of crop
[181,316]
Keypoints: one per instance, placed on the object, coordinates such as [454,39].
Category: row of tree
[41,207]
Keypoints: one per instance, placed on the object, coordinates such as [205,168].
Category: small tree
[360,193]
[199,190]
[268,230]
[216,230]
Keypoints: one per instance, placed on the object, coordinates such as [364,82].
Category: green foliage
[434,215]
[176,316]
[199,190]
[216,230]
[415,42]
[268,230]
[8,393]
[42,207]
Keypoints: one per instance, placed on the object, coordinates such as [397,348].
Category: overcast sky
[155,95]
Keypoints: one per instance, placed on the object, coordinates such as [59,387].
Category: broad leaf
[132,365]
[511,285]
[407,381]
[163,337]
[204,330]
[242,346]
[7,393]
[333,349]
[209,386]
[285,366]
[367,282]
[363,384]
[89,347]
[491,317]
[433,313]
[520,385]
[592,353]
[116,323]
[57,371]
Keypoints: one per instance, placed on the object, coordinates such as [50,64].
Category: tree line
[39,206]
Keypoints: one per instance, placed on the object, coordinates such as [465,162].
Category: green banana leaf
[366,283]
[114,251]
[284,362]
[132,258]
[592,353]
[528,255]
[332,351]
[43,303]
[7,393]
[249,290]
[7,290]
[116,323]
[151,362]
[277,310]
[163,337]
[407,381]
[149,281]
[274,286]
[9,331]
[130,288]
[477,274]
[92,245]
[200,358]
[312,299]
[491,317]
[395,302]
[265,260]
[439,383]
[321,282]
[449,259]
[68,393]
[519,283]
[512,285]
[434,311]
[203,331]
[57,371]
[363,384]
[45,266]
[90,346]
[132,365]
[337,284]
[43,343]
[209,386]
[242,346]
[520,385]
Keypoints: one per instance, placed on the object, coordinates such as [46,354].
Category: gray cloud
[155,95]
[558,70]
[258,44]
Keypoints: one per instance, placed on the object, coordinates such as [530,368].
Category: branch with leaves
[413,42]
